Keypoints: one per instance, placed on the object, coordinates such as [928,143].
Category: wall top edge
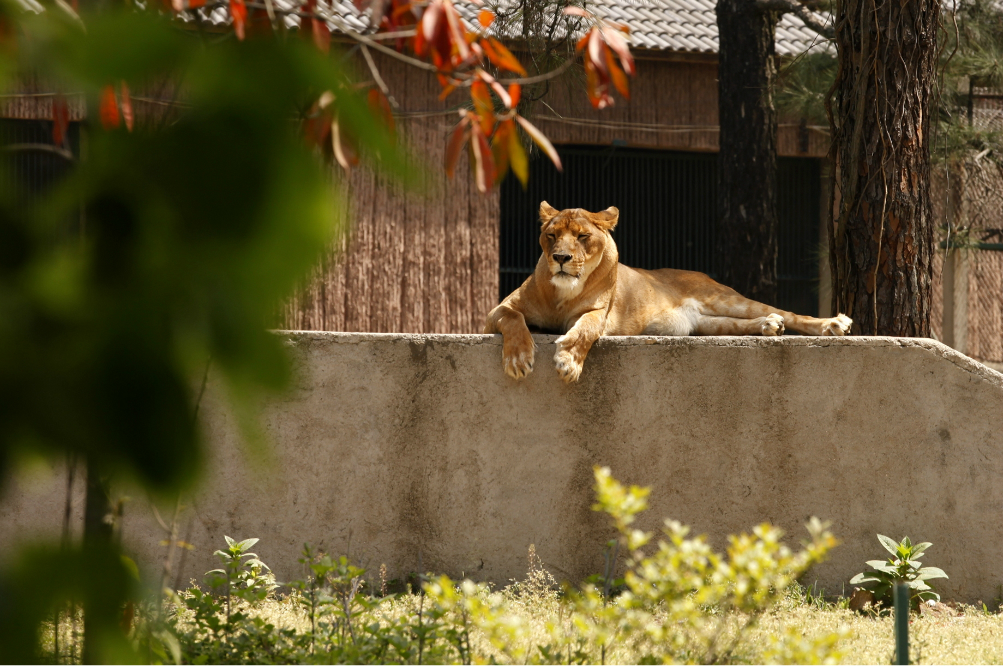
[296,338]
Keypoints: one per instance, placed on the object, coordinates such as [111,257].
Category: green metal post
[901,623]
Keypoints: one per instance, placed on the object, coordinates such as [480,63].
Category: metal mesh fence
[970,197]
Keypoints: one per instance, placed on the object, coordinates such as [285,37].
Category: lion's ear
[606,219]
[547,212]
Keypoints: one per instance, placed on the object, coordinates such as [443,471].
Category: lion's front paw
[568,363]
[838,325]
[567,367]
[517,360]
[772,325]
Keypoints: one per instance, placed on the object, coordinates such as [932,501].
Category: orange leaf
[497,87]
[483,106]
[60,119]
[447,89]
[515,92]
[617,76]
[580,44]
[238,10]
[484,165]
[502,57]
[456,141]
[499,149]
[595,52]
[380,105]
[542,141]
[108,108]
[127,114]
[517,157]
[619,44]
[321,35]
[486,18]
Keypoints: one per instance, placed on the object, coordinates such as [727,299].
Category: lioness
[580,289]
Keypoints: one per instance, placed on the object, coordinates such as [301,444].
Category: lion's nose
[561,258]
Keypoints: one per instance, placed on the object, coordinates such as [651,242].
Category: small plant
[250,580]
[903,567]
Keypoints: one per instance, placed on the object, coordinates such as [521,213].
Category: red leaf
[238,10]
[619,44]
[108,108]
[502,57]
[60,119]
[456,29]
[486,18]
[515,92]
[542,141]
[483,106]
[127,114]
[321,35]
[484,164]
[456,141]
[429,21]
[380,105]
[617,76]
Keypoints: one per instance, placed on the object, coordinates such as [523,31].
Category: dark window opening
[668,212]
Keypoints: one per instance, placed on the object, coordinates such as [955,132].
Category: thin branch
[376,76]
[799,10]
[40,147]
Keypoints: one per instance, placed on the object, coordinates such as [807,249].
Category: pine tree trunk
[882,232]
[747,161]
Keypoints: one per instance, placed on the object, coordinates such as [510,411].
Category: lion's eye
[583,237]
[551,236]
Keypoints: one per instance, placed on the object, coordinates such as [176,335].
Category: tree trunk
[882,232]
[98,533]
[747,161]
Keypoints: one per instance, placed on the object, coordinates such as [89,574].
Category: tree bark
[747,161]
[882,231]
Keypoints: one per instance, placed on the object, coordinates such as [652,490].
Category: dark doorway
[668,204]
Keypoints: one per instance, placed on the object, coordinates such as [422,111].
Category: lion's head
[574,242]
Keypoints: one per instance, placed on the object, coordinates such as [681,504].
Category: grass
[971,636]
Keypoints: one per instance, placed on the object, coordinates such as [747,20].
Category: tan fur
[592,294]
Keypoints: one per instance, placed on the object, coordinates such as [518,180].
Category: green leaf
[918,549]
[926,573]
[229,542]
[246,543]
[890,544]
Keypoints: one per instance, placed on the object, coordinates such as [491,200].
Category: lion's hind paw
[838,325]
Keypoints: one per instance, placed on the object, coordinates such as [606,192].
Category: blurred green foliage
[168,245]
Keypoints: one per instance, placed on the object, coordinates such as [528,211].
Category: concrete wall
[406,449]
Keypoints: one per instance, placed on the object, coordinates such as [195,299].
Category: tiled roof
[688,26]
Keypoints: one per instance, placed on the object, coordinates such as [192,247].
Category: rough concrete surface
[418,452]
